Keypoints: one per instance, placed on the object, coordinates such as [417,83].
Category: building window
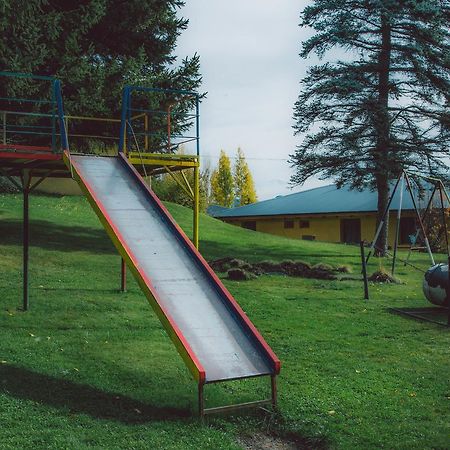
[249,224]
[308,237]
[288,224]
[304,223]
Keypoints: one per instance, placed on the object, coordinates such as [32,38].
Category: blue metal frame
[127,109]
[56,113]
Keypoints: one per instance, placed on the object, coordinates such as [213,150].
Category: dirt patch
[240,275]
[381,276]
[240,270]
[262,441]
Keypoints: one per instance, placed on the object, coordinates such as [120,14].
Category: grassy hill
[89,367]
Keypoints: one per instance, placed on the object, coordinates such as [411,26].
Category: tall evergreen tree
[222,184]
[384,106]
[95,47]
[244,186]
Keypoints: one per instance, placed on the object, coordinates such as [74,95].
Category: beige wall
[322,227]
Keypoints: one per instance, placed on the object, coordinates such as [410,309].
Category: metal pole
[168,127]
[380,225]
[425,237]
[444,221]
[123,276]
[399,218]
[273,385]
[4,127]
[197,127]
[123,121]
[62,124]
[364,271]
[448,292]
[25,237]
[196,205]
[54,114]
[201,400]
[146,132]
[424,215]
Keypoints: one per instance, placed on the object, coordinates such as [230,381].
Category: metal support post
[364,271]
[419,218]
[146,132]
[4,127]
[273,385]
[26,178]
[444,219]
[201,400]
[197,123]
[448,292]
[196,205]
[169,112]
[416,236]
[123,121]
[382,221]
[54,116]
[123,276]
[399,218]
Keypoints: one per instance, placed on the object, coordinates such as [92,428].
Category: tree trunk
[382,182]
[382,127]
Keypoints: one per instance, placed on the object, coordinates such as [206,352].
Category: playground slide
[211,332]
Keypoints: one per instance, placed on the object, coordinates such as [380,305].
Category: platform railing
[28,123]
[170,119]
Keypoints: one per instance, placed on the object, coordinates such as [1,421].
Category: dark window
[249,224]
[350,231]
[308,237]
[288,224]
[304,223]
[407,230]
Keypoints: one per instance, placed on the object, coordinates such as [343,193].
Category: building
[324,214]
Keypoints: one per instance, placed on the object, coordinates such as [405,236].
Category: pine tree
[222,185]
[95,47]
[244,187]
[383,108]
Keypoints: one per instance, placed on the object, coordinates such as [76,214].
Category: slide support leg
[26,178]
[273,384]
[123,276]
[201,400]
[196,204]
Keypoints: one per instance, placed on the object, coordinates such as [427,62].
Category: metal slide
[212,333]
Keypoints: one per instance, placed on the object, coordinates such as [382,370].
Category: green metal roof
[321,200]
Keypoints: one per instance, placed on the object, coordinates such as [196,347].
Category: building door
[350,231]
[407,230]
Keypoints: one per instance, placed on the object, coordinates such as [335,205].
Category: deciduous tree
[244,186]
[222,184]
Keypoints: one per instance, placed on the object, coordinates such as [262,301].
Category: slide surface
[211,332]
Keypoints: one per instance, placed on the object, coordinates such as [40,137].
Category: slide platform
[211,332]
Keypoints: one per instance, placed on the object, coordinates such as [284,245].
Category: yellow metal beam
[186,181]
[155,162]
[188,192]
[196,205]
[166,156]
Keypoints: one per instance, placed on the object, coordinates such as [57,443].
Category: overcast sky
[251,70]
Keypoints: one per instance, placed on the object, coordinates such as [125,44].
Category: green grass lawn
[89,367]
